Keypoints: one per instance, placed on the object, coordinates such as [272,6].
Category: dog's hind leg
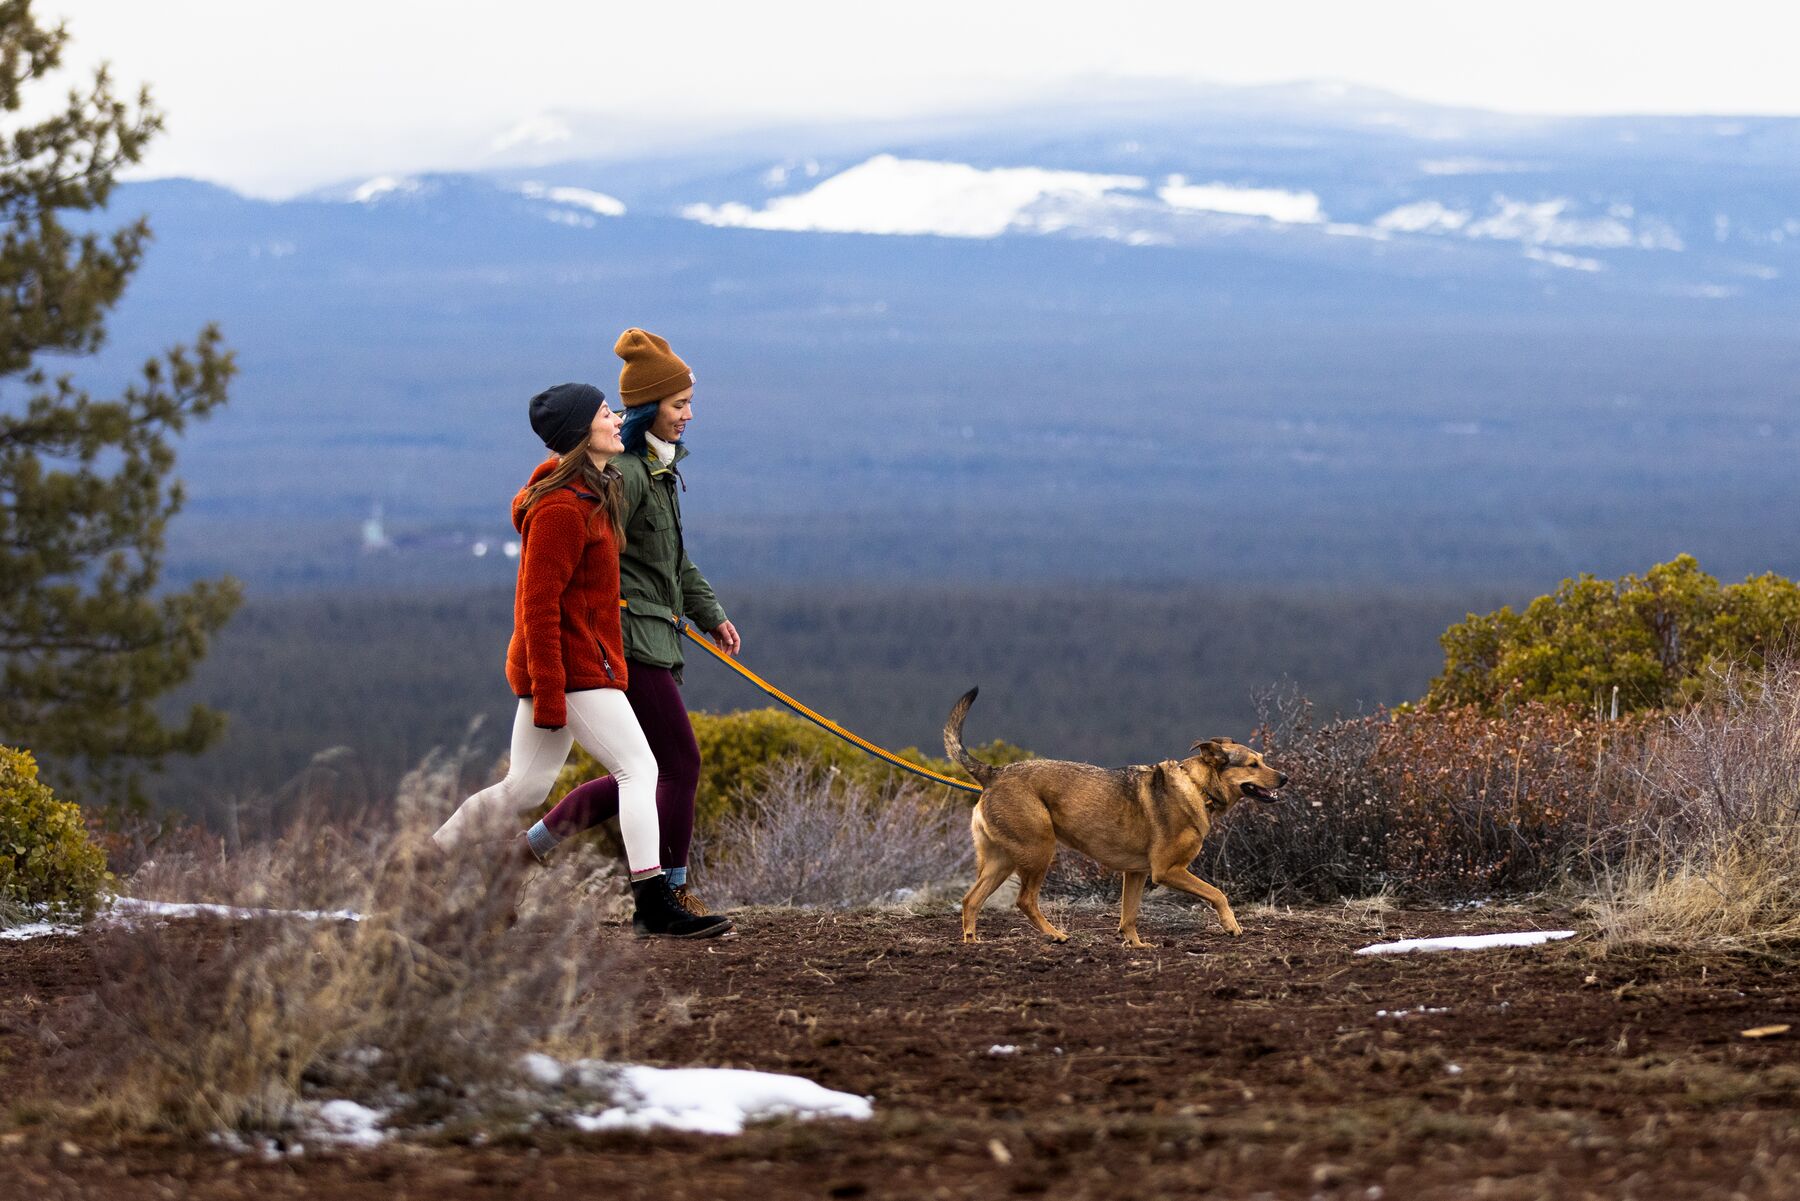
[1129,896]
[992,866]
[1031,878]
[1014,824]
[1180,878]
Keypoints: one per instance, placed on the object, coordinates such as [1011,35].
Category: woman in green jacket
[658,583]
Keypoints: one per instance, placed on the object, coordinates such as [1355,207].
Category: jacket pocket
[605,663]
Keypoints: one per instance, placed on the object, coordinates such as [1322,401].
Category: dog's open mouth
[1255,792]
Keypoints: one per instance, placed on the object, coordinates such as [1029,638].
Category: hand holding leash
[727,638]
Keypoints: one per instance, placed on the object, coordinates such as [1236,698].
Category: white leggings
[602,721]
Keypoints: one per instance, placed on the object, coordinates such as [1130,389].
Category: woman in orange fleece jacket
[566,659]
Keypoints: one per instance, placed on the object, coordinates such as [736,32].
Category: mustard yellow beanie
[652,371]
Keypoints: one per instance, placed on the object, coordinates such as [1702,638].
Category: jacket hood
[518,506]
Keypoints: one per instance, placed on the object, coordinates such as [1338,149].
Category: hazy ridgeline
[1107,675]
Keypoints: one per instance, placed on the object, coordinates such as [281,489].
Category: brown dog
[1147,822]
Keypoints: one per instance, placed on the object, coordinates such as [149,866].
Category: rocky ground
[1280,1064]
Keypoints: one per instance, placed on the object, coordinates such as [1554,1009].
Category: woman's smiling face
[603,435]
[672,415]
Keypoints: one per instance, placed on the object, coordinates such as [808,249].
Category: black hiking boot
[660,915]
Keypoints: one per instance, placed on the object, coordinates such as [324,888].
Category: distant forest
[1107,675]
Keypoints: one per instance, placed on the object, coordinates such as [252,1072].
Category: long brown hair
[605,483]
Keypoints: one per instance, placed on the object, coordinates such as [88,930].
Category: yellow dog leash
[818,719]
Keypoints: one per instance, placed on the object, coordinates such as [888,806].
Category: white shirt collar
[663,450]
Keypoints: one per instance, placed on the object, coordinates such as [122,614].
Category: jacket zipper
[605,662]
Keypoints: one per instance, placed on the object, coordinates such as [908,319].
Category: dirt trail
[1207,1066]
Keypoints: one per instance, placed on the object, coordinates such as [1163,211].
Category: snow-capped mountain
[1701,208]
[1526,313]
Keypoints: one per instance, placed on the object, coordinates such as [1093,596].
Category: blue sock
[677,877]
[542,840]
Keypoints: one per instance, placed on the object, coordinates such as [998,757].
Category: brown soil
[1254,1067]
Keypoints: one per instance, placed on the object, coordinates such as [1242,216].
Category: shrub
[736,748]
[423,1008]
[1442,804]
[1715,857]
[1655,638]
[808,837]
[46,856]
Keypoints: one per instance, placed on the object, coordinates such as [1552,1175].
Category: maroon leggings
[656,699]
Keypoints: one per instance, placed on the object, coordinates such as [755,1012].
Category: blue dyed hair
[637,424]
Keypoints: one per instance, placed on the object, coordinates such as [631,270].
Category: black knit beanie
[562,415]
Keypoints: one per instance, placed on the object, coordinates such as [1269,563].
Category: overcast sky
[273,96]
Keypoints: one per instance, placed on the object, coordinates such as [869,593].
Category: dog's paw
[971,936]
[1233,929]
[1059,936]
[1138,944]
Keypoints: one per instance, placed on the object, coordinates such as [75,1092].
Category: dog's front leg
[1129,896]
[1179,877]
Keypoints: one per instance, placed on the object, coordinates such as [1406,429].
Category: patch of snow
[384,185]
[1000,1050]
[1542,223]
[695,1100]
[128,906]
[1466,942]
[1423,216]
[889,195]
[1344,229]
[1705,291]
[1474,166]
[1273,204]
[1546,223]
[338,1123]
[1557,258]
[539,130]
[345,1123]
[37,930]
[1401,1013]
[581,198]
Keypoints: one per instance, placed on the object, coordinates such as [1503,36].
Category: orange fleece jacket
[566,635]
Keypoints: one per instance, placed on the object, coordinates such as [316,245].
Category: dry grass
[422,1009]
[1715,860]
[802,838]
[1443,805]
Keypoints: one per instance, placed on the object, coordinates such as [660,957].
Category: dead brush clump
[805,837]
[1438,805]
[422,1009]
[1715,858]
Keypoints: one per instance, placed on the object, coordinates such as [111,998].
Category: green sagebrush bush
[1656,638]
[46,856]
[737,747]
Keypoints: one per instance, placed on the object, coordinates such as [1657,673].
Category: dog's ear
[1212,753]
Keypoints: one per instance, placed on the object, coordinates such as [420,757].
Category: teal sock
[677,877]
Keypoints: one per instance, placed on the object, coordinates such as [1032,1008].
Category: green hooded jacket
[656,578]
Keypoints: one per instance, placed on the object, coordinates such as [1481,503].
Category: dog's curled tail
[953,747]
